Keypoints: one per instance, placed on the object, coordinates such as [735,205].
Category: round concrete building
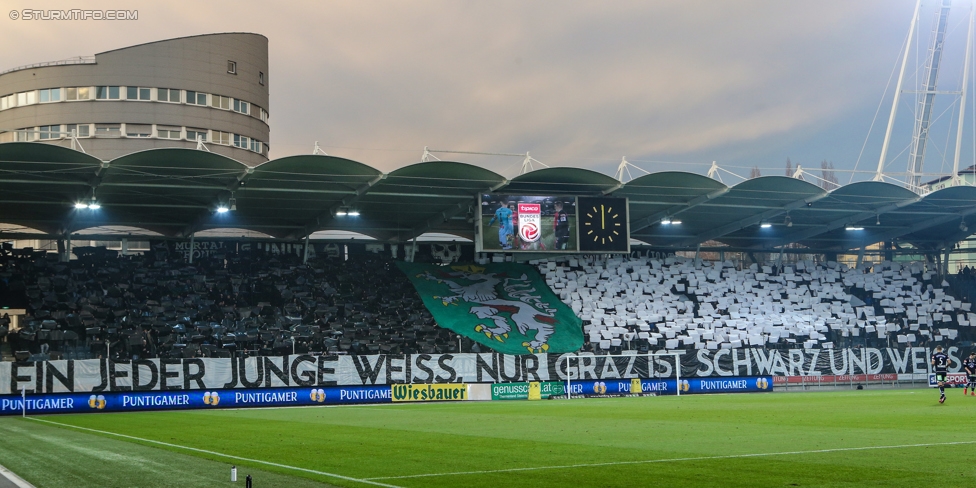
[209,90]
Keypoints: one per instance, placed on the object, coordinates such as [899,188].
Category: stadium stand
[629,303]
[156,305]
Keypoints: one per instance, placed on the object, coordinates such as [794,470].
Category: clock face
[603,224]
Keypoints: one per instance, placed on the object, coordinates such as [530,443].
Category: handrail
[63,62]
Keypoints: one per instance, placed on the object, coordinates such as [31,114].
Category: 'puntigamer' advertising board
[190,399]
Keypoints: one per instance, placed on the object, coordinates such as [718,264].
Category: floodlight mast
[923,116]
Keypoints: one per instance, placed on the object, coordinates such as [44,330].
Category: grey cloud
[576,83]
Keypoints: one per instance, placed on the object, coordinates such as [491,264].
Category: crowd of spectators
[641,303]
[157,305]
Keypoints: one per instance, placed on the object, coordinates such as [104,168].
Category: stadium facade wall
[304,371]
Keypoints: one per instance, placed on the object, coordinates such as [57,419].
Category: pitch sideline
[214,453]
[670,460]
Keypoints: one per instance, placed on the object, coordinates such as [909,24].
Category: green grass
[414,439]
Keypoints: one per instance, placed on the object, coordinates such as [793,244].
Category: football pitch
[847,438]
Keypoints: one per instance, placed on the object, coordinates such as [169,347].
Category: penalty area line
[670,460]
[214,453]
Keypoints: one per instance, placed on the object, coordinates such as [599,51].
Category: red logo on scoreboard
[529,219]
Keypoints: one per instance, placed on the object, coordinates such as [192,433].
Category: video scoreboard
[526,223]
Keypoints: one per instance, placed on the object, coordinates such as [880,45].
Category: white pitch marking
[13,478]
[229,456]
[650,461]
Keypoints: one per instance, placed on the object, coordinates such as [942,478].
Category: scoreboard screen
[541,224]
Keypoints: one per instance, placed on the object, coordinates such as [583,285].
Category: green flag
[505,306]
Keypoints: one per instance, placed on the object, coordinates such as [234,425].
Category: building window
[218,101]
[242,107]
[232,67]
[196,98]
[78,93]
[168,95]
[136,93]
[80,130]
[108,93]
[242,142]
[49,132]
[108,130]
[50,95]
[9,101]
[26,98]
[256,146]
[261,77]
[25,135]
[264,115]
[166,132]
[221,137]
[138,130]
[196,134]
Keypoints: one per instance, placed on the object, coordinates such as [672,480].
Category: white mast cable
[962,102]
[878,176]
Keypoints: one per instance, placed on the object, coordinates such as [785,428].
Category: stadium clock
[603,224]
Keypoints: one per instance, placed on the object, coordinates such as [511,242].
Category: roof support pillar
[66,255]
[945,261]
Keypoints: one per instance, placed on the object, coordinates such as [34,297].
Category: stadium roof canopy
[175,192]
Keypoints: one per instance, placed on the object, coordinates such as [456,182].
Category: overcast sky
[669,85]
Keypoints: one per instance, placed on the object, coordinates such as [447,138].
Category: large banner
[507,307]
[304,371]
